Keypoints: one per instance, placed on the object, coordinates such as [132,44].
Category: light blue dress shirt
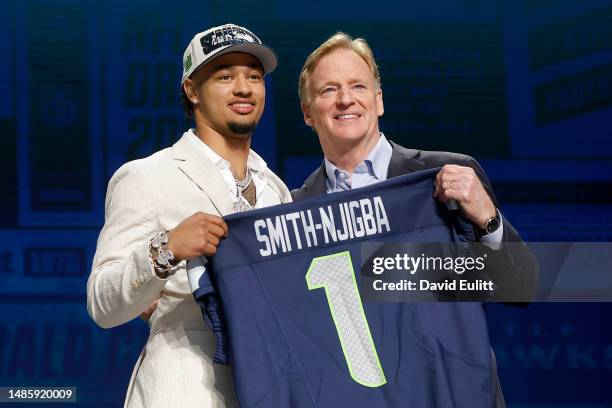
[374,169]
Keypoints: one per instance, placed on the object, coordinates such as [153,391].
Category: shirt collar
[376,163]
[254,161]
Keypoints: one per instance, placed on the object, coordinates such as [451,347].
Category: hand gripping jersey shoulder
[283,297]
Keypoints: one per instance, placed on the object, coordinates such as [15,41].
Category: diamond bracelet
[162,257]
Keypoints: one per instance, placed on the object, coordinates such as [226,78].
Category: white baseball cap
[224,39]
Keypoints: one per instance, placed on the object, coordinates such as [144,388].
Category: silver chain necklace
[244,183]
[241,204]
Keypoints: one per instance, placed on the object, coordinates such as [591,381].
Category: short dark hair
[186,104]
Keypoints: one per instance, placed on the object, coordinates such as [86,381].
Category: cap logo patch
[187,63]
[226,36]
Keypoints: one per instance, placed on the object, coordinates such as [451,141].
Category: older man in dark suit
[341,99]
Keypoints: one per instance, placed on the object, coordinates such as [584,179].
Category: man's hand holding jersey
[197,235]
[460,183]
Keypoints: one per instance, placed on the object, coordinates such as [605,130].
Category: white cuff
[196,267]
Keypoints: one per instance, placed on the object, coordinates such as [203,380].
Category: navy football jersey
[282,295]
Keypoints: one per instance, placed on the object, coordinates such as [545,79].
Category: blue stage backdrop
[525,86]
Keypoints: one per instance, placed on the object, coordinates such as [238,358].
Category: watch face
[492,225]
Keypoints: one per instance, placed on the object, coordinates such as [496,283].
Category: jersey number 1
[336,275]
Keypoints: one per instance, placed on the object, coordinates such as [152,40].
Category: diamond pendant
[240,206]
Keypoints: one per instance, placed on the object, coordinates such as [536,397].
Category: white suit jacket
[146,196]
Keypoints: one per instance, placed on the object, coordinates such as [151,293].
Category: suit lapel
[314,185]
[204,174]
[403,161]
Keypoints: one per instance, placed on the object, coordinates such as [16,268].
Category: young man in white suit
[166,209]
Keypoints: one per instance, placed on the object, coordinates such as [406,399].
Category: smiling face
[229,93]
[345,103]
